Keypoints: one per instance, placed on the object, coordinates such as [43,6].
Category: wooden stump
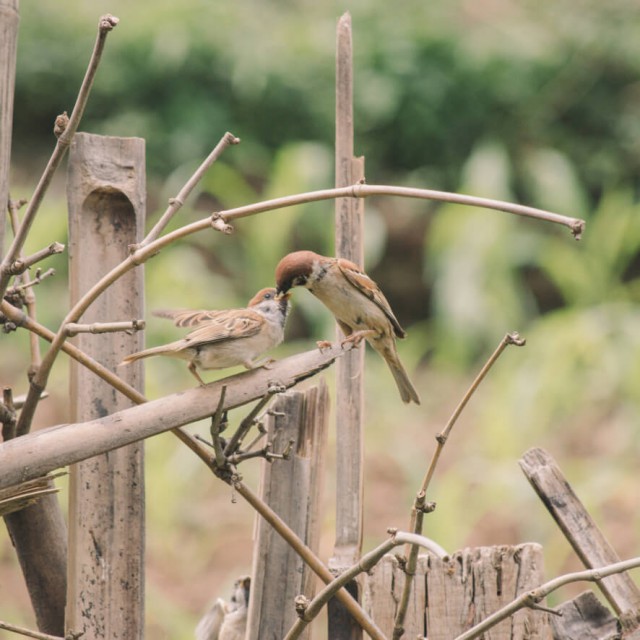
[453,594]
[292,488]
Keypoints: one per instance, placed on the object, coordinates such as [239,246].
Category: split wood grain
[581,531]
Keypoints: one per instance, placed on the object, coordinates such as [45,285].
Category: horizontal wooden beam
[40,452]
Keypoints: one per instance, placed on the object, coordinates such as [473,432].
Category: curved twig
[308,611]
[142,254]
[420,506]
[365,190]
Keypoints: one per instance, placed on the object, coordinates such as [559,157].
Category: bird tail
[154,351]
[407,391]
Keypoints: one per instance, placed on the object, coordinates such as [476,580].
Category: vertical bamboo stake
[293,489]
[106,194]
[349,220]
[39,531]
[9,19]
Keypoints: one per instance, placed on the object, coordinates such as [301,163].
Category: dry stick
[176,203]
[364,190]
[29,294]
[20,319]
[316,565]
[28,632]
[20,265]
[308,611]
[73,328]
[420,506]
[105,25]
[533,597]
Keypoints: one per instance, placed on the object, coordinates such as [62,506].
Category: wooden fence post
[9,19]
[349,226]
[582,533]
[454,593]
[293,489]
[106,195]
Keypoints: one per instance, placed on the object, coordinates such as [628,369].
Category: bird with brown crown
[355,300]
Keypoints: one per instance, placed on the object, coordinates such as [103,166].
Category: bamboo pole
[9,19]
[349,224]
[106,195]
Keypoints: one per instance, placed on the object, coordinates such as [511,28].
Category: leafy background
[533,101]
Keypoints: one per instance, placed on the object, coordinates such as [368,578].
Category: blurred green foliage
[530,101]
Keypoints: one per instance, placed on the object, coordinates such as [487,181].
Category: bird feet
[324,344]
[356,338]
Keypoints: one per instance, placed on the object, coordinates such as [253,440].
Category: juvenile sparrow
[227,621]
[226,338]
[355,300]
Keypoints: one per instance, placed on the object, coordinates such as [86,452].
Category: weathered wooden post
[9,19]
[293,489]
[582,533]
[106,195]
[41,524]
[453,593]
[349,222]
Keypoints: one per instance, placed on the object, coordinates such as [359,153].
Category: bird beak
[281,295]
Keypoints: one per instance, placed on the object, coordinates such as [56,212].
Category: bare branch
[535,596]
[29,632]
[363,190]
[248,422]
[420,506]
[104,327]
[176,203]
[105,25]
[38,278]
[316,565]
[22,264]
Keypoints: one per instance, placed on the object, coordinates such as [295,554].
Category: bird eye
[268,296]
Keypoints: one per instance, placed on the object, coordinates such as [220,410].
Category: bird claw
[356,338]
[323,344]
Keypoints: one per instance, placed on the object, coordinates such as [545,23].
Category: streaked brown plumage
[356,301]
[227,338]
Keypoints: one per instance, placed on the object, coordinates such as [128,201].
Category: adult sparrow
[355,300]
[226,338]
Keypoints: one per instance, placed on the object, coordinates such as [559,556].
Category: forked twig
[105,25]
[176,203]
[420,506]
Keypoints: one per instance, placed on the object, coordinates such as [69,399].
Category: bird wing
[367,287]
[226,325]
[190,317]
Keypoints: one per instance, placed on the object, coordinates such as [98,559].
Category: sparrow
[226,338]
[356,301]
[227,621]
